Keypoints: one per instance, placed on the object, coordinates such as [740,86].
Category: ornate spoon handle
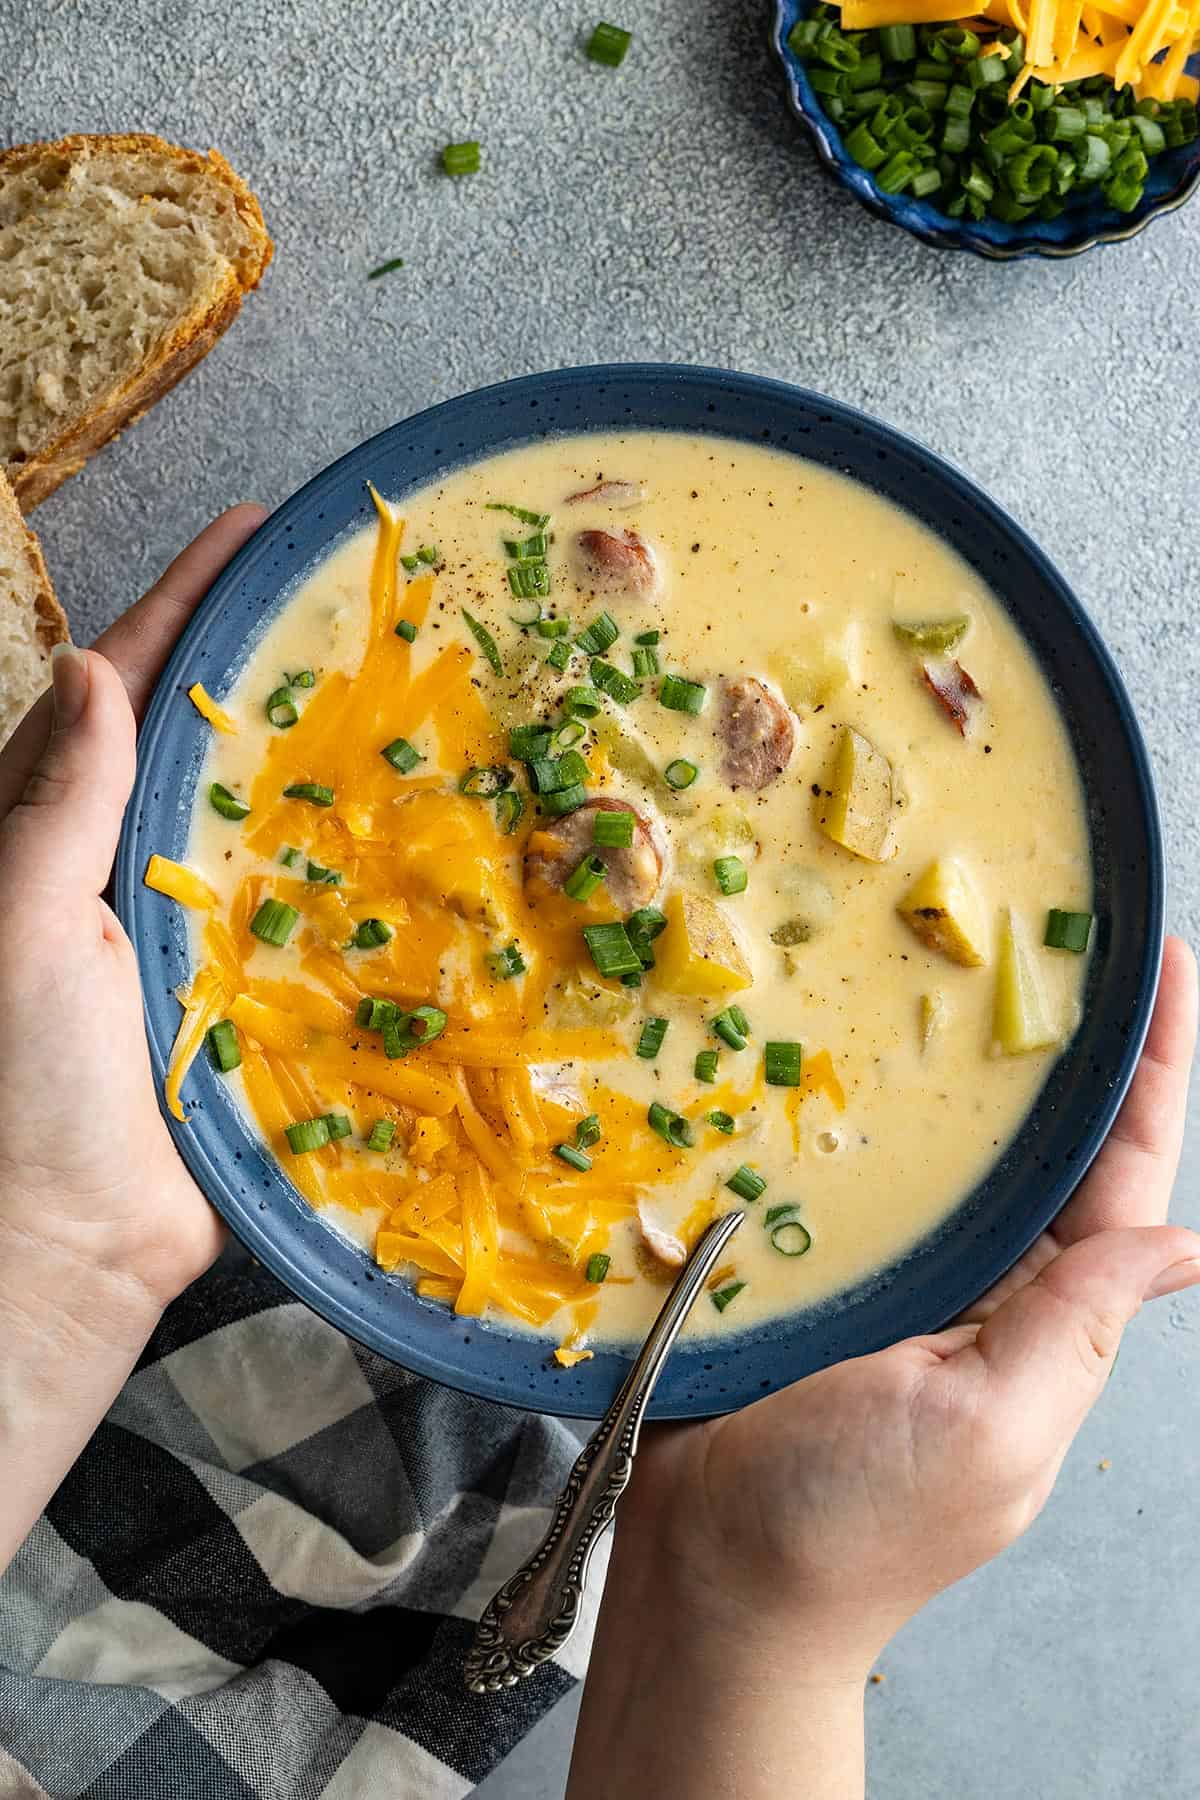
[535,1611]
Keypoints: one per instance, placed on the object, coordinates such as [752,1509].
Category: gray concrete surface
[673,210]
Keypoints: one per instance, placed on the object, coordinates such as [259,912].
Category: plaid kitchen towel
[261,1577]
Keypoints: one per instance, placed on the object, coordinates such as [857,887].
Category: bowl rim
[581,1399]
[923,220]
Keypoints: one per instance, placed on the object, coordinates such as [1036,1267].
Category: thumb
[62,831]
[1051,1345]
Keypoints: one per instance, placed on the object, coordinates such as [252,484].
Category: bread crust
[38,476]
[51,620]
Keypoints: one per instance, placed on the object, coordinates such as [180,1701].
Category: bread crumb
[878,1680]
[1104,1465]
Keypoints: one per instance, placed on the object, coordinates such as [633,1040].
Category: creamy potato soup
[640,826]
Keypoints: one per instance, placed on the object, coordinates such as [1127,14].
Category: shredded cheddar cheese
[208,709]
[178,883]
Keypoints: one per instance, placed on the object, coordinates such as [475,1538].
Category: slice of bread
[122,260]
[31,620]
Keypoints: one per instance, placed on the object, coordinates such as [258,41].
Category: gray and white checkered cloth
[261,1577]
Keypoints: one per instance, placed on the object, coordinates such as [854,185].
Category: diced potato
[813,677]
[934,1014]
[946,913]
[698,952]
[579,1001]
[1020,1016]
[857,810]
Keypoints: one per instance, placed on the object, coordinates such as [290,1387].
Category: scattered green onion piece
[575,1159]
[643,927]
[773,1214]
[461,159]
[428,553]
[317,873]
[582,702]
[385,268]
[651,1040]
[680,774]
[560,655]
[645,663]
[731,874]
[588,1132]
[337,1125]
[530,549]
[897,43]
[303,679]
[572,768]
[227,804]
[585,878]
[375,1014]
[506,963]
[791,1238]
[614,682]
[720,1121]
[406,630]
[1068,930]
[486,642]
[613,830]
[312,791]
[723,1296]
[509,807]
[401,755]
[568,734]
[680,695]
[528,581]
[410,563]
[632,981]
[369,934]
[553,628]
[381,1134]
[413,1030]
[781,1063]
[731,1027]
[937,635]
[274,922]
[536,519]
[307,1134]
[705,1067]
[485,784]
[671,1126]
[599,635]
[608,44]
[597,1268]
[280,709]
[545,774]
[648,637]
[746,1183]
[289,856]
[611,950]
[565,800]
[528,742]
[223,1045]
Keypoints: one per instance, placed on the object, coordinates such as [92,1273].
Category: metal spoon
[536,1610]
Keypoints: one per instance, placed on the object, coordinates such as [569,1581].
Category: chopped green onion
[274,922]
[410,563]
[679,695]
[223,1045]
[553,628]
[316,873]
[305,679]
[506,963]
[406,630]
[613,830]
[485,640]
[289,856]
[773,1214]
[536,519]
[746,1183]
[560,655]
[280,709]
[648,637]
[568,734]
[722,1297]
[312,791]
[1068,930]
[611,950]
[509,807]
[381,1134]
[938,635]
[720,1121]
[575,1159]
[428,553]
[608,44]
[632,981]
[227,804]
[791,1238]
[528,581]
[545,774]
[731,874]
[585,878]
[651,1040]
[670,1125]
[643,927]
[530,549]
[528,742]
[461,159]
[588,1132]
[645,662]
[413,1030]
[369,934]
[613,682]
[781,1062]
[705,1068]
[597,1267]
[307,1134]
[565,800]
[375,1013]
[337,1125]
[582,702]
[485,784]
[680,774]
[731,1027]
[599,635]
[401,755]
[385,268]
[572,768]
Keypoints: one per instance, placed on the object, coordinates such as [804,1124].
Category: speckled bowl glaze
[1172,179]
[1035,1175]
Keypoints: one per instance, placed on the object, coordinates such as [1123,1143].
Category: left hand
[88,1172]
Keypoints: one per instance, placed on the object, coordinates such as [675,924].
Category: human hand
[846,1502]
[88,1172]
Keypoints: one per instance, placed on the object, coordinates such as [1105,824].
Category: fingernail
[1169,1281]
[69,673]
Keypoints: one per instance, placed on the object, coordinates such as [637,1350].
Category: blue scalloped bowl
[1172,179]
[1036,1173]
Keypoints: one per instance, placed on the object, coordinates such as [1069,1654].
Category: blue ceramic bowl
[1172,178]
[1062,1134]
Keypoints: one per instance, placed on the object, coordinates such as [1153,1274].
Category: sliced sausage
[757,734]
[559,845]
[610,563]
[611,493]
[954,691]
